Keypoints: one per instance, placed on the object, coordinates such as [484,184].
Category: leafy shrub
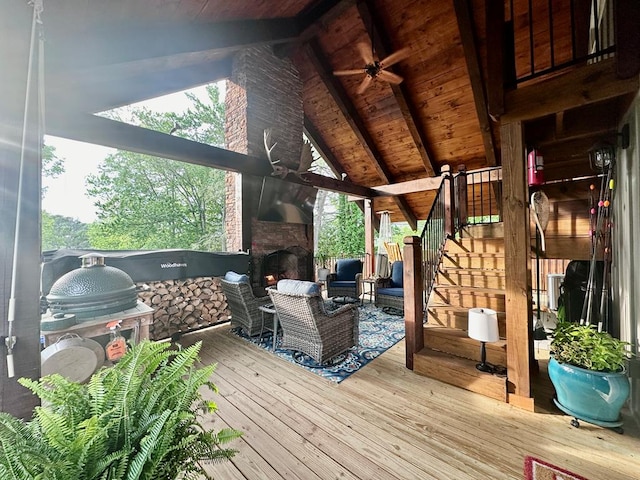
[585,347]
[136,420]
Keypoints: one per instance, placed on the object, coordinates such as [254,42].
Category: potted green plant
[323,271]
[588,371]
[139,419]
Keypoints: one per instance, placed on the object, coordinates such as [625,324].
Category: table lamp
[483,326]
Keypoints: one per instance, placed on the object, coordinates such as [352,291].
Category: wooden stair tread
[487,245]
[483,291]
[455,309]
[460,372]
[461,335]
[456,342]
[474,254]
[472,271]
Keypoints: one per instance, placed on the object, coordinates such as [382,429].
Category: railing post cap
[445,170]
[411,240]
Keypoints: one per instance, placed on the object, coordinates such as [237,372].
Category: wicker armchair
[244,305]
[307,326]
[389,291]
[346,281]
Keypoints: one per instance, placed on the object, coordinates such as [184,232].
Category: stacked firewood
[183,305]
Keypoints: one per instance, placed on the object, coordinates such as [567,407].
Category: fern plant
[140,419]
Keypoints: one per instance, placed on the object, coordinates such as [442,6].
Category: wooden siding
[385,422]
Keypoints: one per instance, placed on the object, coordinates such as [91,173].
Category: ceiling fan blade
[365,52]
[365,83]
[395,57]
[349,72]
[389,77]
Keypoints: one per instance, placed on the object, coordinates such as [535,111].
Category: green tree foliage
[63,232]
[343,231]
[146,202]
[52,165]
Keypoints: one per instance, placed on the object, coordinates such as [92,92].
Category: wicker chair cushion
[234,277]
[393,291]
[397,275]
[347,269]
[298,287]
[344,284]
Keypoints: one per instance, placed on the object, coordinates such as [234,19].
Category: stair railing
[478,197]
[433,238]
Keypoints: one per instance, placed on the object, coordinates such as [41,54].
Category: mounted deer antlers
[306,159]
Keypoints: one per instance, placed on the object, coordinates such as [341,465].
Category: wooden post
[461,195]
[369,248]
[413,293]
[449,199]
[517,265]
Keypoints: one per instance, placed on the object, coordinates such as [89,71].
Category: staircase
[471,274]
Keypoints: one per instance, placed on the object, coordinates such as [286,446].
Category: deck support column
[517,265]
[369,248]
[413,293]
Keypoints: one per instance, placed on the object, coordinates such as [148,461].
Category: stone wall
[264,92]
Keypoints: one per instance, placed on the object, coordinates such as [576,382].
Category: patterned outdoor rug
[379,331]
[536,469]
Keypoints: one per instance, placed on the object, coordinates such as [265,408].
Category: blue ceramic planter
[596,397]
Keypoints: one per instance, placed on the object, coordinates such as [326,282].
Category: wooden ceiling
[102,54]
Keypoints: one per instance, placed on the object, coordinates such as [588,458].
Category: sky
[65,195]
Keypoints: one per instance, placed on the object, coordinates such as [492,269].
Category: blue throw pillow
[298,287]
[236,277]
[397,275]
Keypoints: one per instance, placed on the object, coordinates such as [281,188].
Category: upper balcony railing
[552,35]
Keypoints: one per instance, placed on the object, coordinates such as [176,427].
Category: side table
[269,308]
[368,288]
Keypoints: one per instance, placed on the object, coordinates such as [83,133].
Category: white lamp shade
[483,325]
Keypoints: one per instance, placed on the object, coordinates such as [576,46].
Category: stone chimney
[264,92]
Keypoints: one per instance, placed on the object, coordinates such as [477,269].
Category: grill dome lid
[92,290]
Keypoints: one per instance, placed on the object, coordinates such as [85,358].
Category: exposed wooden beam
[494,17]
[409,112]
[132,42]
[323,149]
[105,93]
[411,186]
[355,121]
[433,183]
[315,137]
[464,16]
[582,86]
[319,14]
[103,131]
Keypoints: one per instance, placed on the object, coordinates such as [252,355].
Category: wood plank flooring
[385,422]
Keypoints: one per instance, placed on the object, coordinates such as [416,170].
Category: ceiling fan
[375,69]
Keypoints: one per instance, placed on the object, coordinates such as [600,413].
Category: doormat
[379,331]
[536,469]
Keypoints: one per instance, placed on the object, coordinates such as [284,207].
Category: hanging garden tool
[539,207]
[539,210]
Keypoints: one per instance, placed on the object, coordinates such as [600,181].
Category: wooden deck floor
[385,422]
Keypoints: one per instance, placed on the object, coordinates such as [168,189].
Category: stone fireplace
[292,263]
[281,250]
